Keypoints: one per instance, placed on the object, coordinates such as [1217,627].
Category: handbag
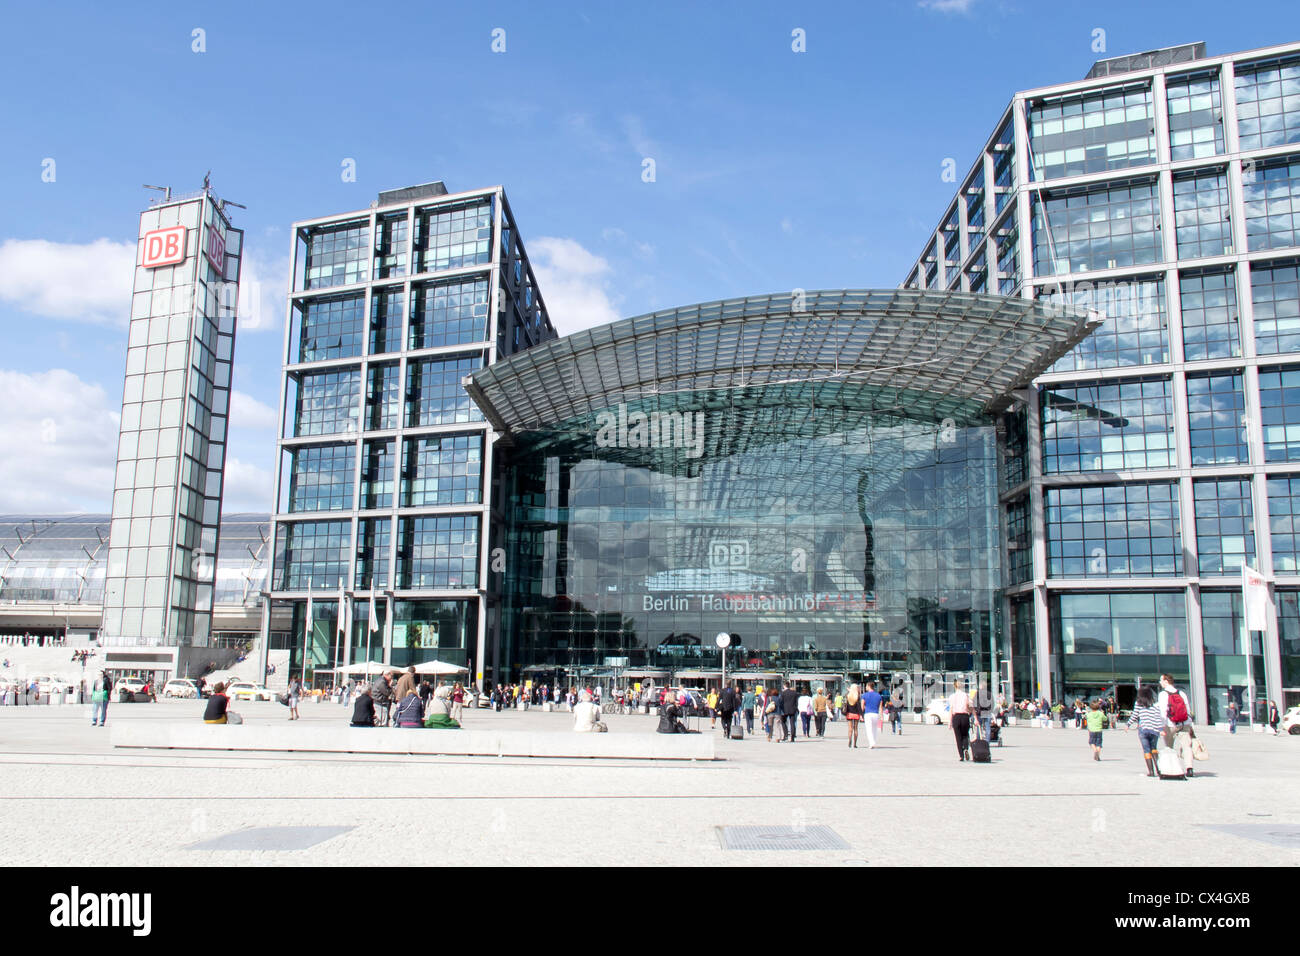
[283,699]
[1199,752]
[98,696]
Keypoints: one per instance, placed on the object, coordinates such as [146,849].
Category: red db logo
[164,247]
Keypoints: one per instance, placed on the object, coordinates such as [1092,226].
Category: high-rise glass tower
[1163,453]
[385,479]
[171,448]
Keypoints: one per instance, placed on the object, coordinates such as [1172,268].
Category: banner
[1255,599]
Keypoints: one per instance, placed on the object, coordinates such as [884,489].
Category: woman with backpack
[1177,713]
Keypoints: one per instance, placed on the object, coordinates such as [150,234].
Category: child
[1096,721]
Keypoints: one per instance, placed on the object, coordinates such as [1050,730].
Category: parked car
[246,690]
[1291,721]
[54,685]
[937,711]
[181,687]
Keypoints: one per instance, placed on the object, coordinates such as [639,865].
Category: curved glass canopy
[933,355]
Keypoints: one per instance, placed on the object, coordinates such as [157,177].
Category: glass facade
[1279,400]
[1106,530]
[164,534]
[321,478]
[443,470]
[1107,642]
[1284,522]
[1195,116]
[1135,330]
[1106,226]
[1203,223]
[449,313]
[1108,426]
[1071,136]
[1208,299]
[1275,295]
[1225,525]
[1271,191]
[1268,103]
[819,534]
[331,327]
[1215,409]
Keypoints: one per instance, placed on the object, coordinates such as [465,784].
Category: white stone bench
[394,740]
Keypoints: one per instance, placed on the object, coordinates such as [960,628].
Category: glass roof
[943,350]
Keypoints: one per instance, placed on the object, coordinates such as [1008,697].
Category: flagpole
[306,638]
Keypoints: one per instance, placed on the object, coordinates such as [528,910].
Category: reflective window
[1103,530]
[1271,195]
[975,209]
[321,478]
[1138,622]
[1108,426]
[386,308]
[1195,116]
[1215,408]
[331,327]
[327,402]
[383,396]
[451,238]
[1135,330]
[1007,243]
[449,313]
[1268,103]
[434,630]
[1279,401]
[951,234]
[1092,133]
[1208,299]
[1203,224]
[1288,626]
[377,468]
[372,554]
[391,245]
[1225,526]
[1096,227]
[1284,522]
[315,551]
[1004,168]
[443,470]
[977,274]
[434,394]
[1275,293]
[1020,554]
[438,552]
[337,255]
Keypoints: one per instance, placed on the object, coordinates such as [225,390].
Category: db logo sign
[164,247]
[729,555]
[216,250]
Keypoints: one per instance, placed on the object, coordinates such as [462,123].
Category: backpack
[1177,708]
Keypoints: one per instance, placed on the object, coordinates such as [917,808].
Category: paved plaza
[68,798]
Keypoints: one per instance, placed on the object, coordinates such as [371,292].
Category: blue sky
[773,169]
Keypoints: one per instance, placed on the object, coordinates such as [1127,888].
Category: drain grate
[1277,834]
[271,838]
[780,838]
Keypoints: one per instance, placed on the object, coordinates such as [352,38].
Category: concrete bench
[392,740]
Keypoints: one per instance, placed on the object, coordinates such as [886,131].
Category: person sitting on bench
[586,716]
[363,711]
[668,722]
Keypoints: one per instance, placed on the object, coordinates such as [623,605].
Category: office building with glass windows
[159,559]
[385,478]
[1144,468]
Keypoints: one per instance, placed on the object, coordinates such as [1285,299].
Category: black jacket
[668,722]
[380,691]
[789,702]
[363,712]
[727,701]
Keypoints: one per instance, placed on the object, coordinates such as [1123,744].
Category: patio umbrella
[439,667]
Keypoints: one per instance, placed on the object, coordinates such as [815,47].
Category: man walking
[1176,709]
[788,707]
[1232,715]
[747,704]
[727,709]
[381,692]
[959,714]
[821,705]
[873,707]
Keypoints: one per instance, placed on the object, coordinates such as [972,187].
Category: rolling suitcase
[737,727]
[1168,766]
[979,747]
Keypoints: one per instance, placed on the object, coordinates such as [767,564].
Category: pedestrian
[1096,720]
[838,707]
[405,685]
[218,706]
[727,708]
[895,712]
[1274,718]
[959,713]
[873,709]
[295,692]
[410,709]
[769,704]
[712,704]
[100,692]
[789,708]
[806,714]
[381,693]
[457,701]
[747,705]
[821,705]
[1146,716]
[1232,714]
[1176,710]
[853,713]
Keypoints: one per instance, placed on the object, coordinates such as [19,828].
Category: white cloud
[247,487]
[248,414]
[574,284]
[946,6]
[263,285]
[85,282]
[61,439]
